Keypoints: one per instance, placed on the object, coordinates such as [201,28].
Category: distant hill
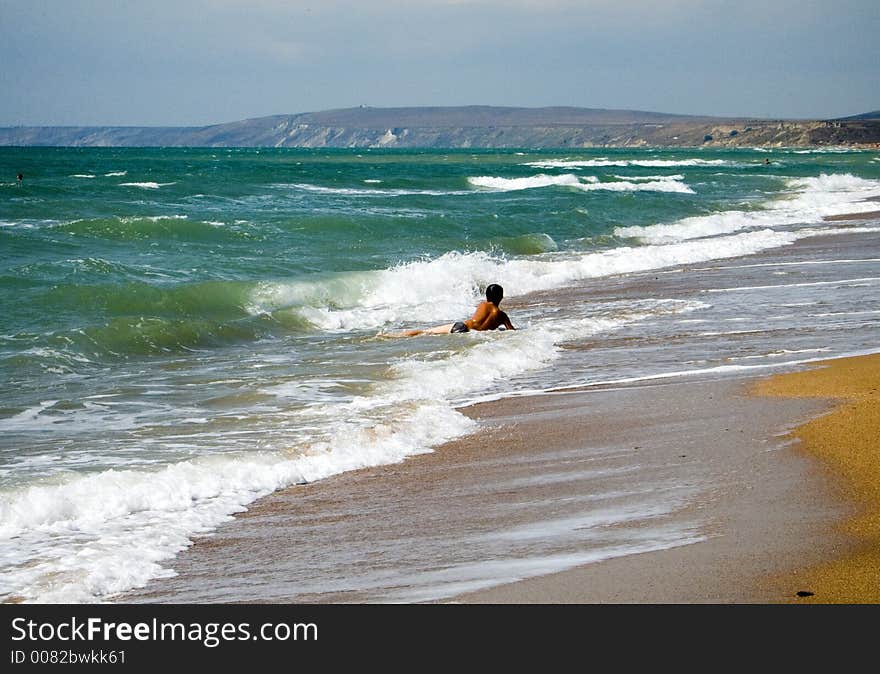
[467,127]
[866,115]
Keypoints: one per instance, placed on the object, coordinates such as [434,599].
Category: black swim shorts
[459,327]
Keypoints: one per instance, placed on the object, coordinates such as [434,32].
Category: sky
[198,62]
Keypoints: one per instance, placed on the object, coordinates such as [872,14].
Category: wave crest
[808,201]
[586,184]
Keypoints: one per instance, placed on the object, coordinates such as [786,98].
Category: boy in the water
[486,317]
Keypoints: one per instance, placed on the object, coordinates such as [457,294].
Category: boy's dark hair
[494,293]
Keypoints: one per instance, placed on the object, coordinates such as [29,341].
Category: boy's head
[494,293]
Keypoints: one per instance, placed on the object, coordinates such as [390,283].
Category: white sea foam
[827,150]
[777,353]
[82,175]
[372,192]
[116,174]
[647,163]
[807,201]
[26,417]
[89,536]
[153,218]
[146,185]
[499,356]
[649,186]
[587,184]
[446,288]
[677,176]
[531,182]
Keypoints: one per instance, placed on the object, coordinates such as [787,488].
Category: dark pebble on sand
[805,593]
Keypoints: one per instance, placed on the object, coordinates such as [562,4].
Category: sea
[186,330]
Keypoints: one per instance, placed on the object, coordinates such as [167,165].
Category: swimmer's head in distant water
[494,293]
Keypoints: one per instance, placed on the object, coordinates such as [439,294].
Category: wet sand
[772,510]
[438,527]
[870,215]
[843,443]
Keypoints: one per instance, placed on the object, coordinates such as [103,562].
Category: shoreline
[845,441]
[470,520]
[840,447]
[525,501]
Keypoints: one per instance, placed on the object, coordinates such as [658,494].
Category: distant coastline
[469,127]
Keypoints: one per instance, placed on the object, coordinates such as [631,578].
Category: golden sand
[847,440]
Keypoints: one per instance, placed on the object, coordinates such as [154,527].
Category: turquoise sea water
[185,330]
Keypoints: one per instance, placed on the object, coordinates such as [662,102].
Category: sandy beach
[846,442]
